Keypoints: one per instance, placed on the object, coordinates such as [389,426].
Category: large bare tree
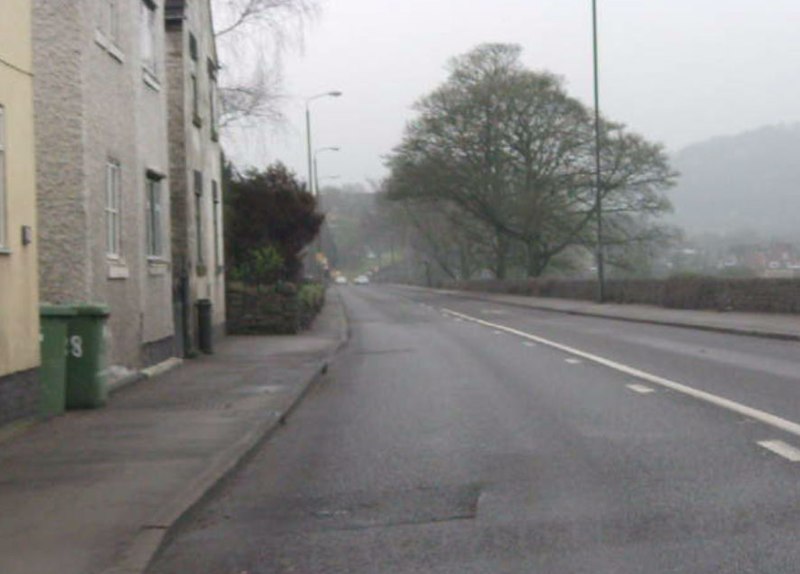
[509,147]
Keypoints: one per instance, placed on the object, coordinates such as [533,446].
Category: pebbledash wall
[195,168]
[103,185]
[19,303]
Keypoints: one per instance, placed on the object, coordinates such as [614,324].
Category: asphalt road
[462,441]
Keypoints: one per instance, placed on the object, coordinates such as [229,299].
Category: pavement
[451,436]
[769,325]
[98,491]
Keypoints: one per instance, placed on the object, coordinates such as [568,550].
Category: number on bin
[76,346]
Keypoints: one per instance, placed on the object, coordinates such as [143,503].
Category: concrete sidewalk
[769,325]
[97,491]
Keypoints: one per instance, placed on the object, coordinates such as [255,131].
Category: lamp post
[319,198]
[601,279]
[316,169]
[333,94]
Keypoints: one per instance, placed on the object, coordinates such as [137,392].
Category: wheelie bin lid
[91,310]
[50,310]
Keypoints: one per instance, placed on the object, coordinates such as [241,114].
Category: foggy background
[677,71]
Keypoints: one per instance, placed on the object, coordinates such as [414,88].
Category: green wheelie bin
[86,357]
[53,372]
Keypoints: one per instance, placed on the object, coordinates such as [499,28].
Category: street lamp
[333,94]
[601,279]
[316,169]
[316,185]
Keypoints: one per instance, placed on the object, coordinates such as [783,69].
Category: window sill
[151,80]
[108,45]
[117,269]
[5,250]
[157,266]
[197,121]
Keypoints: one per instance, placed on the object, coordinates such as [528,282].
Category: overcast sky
[676,71]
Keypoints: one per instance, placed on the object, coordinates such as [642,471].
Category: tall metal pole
[319,208]
[319,196]
[334,94]
[308,149]
[316,180]
[601,279]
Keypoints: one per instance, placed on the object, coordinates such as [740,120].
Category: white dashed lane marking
[780,448]
[640,389]
[761,416]
[573,361]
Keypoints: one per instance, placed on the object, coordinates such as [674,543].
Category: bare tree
[252,37]
[509,147]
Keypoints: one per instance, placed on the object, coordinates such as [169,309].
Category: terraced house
[19,304]
[195,169]
[103,169]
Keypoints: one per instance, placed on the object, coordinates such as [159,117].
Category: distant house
[19,301]
[195,168]
[103,185]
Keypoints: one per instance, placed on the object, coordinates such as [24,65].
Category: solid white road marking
[640,389]
[573,361]
[781,449]
[761,416]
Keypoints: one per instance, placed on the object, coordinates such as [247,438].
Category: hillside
[749,181]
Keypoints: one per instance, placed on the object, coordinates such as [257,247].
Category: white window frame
[153,217]
[3,198]
[148,23]
[113,209]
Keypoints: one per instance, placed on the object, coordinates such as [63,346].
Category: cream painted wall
[19,300]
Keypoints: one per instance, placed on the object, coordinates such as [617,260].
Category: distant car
[341,280]
[361,280]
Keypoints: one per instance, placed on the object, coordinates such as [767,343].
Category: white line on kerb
[781,449]
[761,416]
[640,389]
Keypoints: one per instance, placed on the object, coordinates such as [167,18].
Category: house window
[155,229]
[113,211]
[216,216]
[212,98]
[198,215]
[148,33]
[193,47]
[109,19]
[195,102]
[212,105]
[3,220]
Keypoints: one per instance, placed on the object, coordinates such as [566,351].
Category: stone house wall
[94,104]
[194,147]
